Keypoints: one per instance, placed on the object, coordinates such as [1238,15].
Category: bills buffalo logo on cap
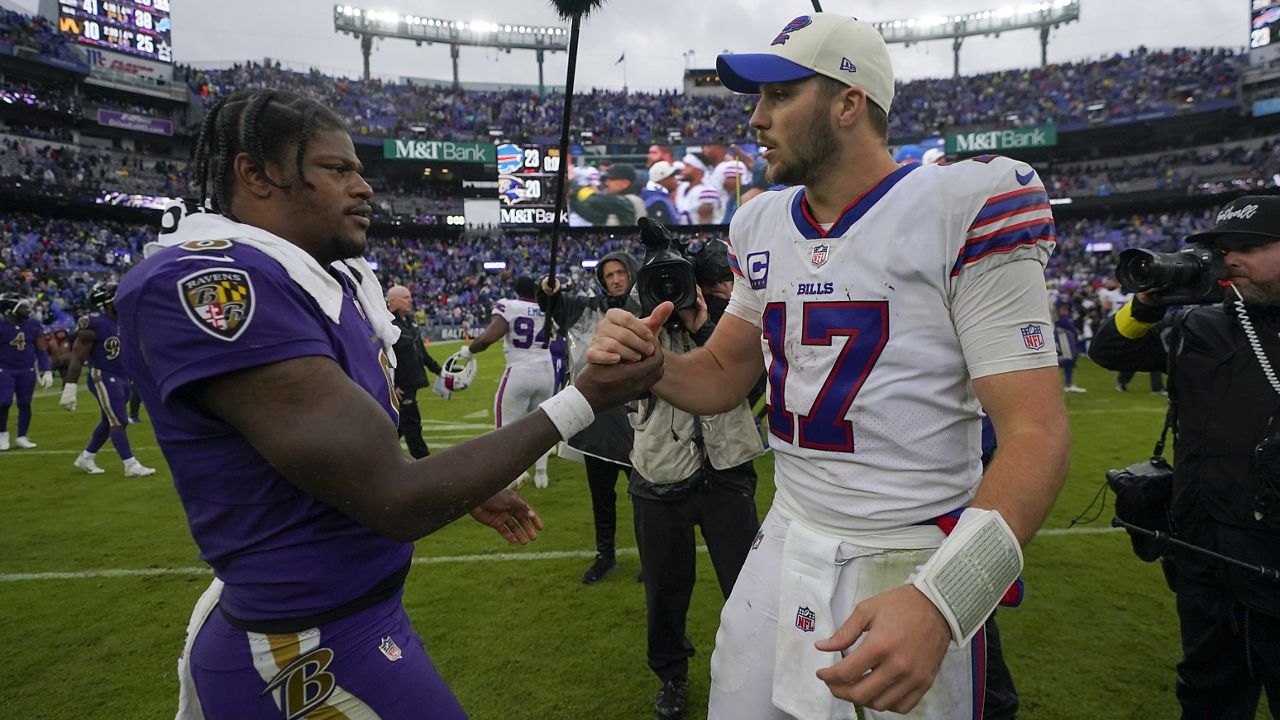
[219,302]
[803,21]
[806,619]
[1032,337]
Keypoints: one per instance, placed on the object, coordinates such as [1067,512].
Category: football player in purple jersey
[259,339]
[98,344]
[22,349]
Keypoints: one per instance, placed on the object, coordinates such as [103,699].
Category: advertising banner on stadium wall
[132,121]
[438,150]
[105,63]
[983,141]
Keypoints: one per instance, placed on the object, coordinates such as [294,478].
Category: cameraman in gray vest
[689,471]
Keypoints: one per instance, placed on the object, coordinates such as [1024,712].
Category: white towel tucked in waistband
[808,582]
[188,702]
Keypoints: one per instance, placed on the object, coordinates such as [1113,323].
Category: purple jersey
[105,354]
[18,343]
[187,317]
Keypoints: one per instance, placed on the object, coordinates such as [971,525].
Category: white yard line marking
[437,560]
[107,451]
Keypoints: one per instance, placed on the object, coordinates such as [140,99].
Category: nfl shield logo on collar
[806,620]
[819,255]
[1032,337]
[390,649]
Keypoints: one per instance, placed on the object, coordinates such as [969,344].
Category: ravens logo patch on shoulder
[219,302]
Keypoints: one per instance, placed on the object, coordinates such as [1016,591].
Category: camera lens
[666,287]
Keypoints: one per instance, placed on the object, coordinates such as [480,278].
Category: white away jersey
[873,329]
[525,343]
[689,198]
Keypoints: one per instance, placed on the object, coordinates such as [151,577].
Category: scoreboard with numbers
[526,183]
[135,27]
[1264,23]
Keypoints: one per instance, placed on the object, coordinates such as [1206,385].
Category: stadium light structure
[368,24]
[1045,16]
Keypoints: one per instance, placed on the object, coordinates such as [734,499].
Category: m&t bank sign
[439,151]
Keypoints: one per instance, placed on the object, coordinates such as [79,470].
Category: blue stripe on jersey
[1005,241]
[1009,202]
[853,212]
[734,266]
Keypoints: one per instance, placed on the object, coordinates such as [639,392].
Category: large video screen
[614,186]
[138,27]
[1264,23]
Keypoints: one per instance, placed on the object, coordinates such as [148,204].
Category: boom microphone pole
[1264,573]
[574,11]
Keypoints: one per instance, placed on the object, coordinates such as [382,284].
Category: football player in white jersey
[697,202]
[529,378]
[887,304]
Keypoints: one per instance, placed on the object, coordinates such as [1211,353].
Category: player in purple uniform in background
[22,348]
[98,343]
[259,340]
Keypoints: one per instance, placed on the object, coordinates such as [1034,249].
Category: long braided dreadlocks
[263,123]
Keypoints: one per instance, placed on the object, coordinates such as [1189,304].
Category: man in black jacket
[1225,483]
[411,358]
[606,443]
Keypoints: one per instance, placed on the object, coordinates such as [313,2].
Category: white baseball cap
[661,170]
[839,47]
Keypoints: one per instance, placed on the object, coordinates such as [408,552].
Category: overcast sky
[655,34]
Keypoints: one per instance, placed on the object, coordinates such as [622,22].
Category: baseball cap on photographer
[839,47]
[1255,217]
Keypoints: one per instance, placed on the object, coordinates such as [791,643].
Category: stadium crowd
[56,260]
[1119,86]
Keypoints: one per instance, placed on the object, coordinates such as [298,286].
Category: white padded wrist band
[970,571]
[569,411]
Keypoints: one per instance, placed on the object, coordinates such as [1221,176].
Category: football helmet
[15,306]
[101,295]
[458,371]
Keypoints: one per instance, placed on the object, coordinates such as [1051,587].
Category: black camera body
[1144,496]
[1187,277]
[667,274]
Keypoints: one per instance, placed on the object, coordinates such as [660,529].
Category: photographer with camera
[688,470]
[606,443]
[1225,397]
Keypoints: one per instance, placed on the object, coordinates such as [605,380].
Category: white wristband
[970,571]
[465,353]
[569,411]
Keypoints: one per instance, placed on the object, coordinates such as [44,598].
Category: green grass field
[98,575]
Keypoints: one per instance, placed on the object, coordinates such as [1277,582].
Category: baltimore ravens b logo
[219,302]
[801,22]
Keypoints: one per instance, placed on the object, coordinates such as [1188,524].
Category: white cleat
[137,469]
[541,480]
[1075,389]
[4,441]
[88,465]
[22,442]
